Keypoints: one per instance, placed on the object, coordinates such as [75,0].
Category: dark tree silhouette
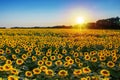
[110,23]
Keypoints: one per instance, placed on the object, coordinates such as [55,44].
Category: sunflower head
[11,77]
[105,72]
[36,71]
[63,73]
[86,70]
[48,63]
[49,72]
[19,61]
[28,74]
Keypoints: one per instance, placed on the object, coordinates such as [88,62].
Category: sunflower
[70,46]
[42,46]
[8,51]
[72,52]
[86,70]
[66,64]
[110,64]
[49,72]
[43,68]
[34,58]
[55,52]
[114,58]
[60,56]
[28,74]
[94,78]
[105,72]
[44,58]
[8,62]
[67,58]
[29,53]
[88,78]
[110,46]
[113,54]
[64,51]
[48,54]
[40,62]
[36,48]
[114,51]
[76,54]
[80,65]
[94,59]
[1,68]
[52,58]
[49,50]
[19,61]
[63,73]
[86,53]
[58,63]
[1,51]
[100,53]
[77,72]
[77,60]
[14,56]
[57,46]
[92,53]
[78,49]
[102,58]
[48,63]
[17,50]
[24,56]
[116,46]
[11,77]
[36,71]
[2,58]
[38,53]
[7,67]
[30,49]
[83,78]
[14,71]
[107,54]
[87,57]
[71,61]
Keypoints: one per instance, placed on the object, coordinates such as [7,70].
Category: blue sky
[55,12]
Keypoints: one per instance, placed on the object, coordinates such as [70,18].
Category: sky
[25,13]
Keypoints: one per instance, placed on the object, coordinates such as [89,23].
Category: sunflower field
[59,54]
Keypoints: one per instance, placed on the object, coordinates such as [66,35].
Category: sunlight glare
[80,20]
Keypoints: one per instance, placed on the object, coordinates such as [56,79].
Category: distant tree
[110,23]
[91,25]
[2,27]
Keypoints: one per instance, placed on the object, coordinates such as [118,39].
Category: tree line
[110,23]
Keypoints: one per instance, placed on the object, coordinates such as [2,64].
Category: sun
[80,20]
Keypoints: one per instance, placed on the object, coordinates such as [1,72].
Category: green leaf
[115,74]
